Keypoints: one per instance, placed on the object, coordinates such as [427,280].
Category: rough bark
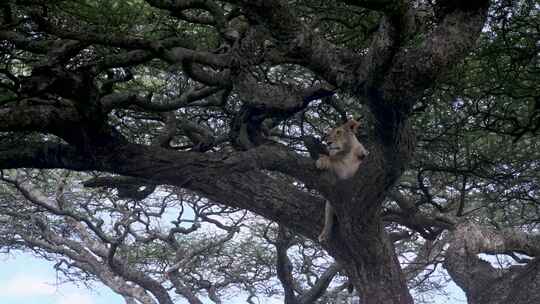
[482,282]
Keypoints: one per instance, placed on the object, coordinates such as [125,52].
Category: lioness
[345,156]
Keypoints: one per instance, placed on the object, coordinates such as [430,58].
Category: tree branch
[386,6]
[84,252]
[177,7]
[225,179]
[415,67]
[321,285]
[43,155]
[284,266]
[126,99]
[481,239]
[170,49]
[482,282]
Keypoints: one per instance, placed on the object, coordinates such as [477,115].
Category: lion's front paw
[323,162]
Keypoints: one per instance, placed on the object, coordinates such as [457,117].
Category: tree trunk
[360,243]
[369,259]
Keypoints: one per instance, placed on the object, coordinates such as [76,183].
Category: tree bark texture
[481,281]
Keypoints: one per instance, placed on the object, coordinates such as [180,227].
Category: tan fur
[346,155]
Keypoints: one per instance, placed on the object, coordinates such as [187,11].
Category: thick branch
[234,180]
[126,99]
[479,239]
[387,6]
[43,118]
[297,43]
[43,155]
[278,98]
[483,283]
[415,68]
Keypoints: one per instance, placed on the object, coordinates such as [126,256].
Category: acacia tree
[220,98]
[193,247]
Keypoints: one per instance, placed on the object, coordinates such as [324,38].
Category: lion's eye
[338,132]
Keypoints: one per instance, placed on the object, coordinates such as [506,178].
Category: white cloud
[26,286]
[22,286]
[75,298]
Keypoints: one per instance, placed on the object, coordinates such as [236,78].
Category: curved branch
[483,283]
[480,239]
[321,285]
[126,99]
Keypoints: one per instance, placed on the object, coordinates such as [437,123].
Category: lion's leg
[323,162]
[328,223]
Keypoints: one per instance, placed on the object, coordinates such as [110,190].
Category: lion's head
[342,139]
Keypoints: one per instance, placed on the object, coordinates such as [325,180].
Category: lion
[346,154]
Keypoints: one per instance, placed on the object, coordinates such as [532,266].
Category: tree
[221,98]
[196,248]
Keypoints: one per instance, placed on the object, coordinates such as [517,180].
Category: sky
[25,279]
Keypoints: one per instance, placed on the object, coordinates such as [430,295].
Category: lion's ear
[352,125]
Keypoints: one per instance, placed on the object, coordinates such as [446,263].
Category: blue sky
[25,279]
